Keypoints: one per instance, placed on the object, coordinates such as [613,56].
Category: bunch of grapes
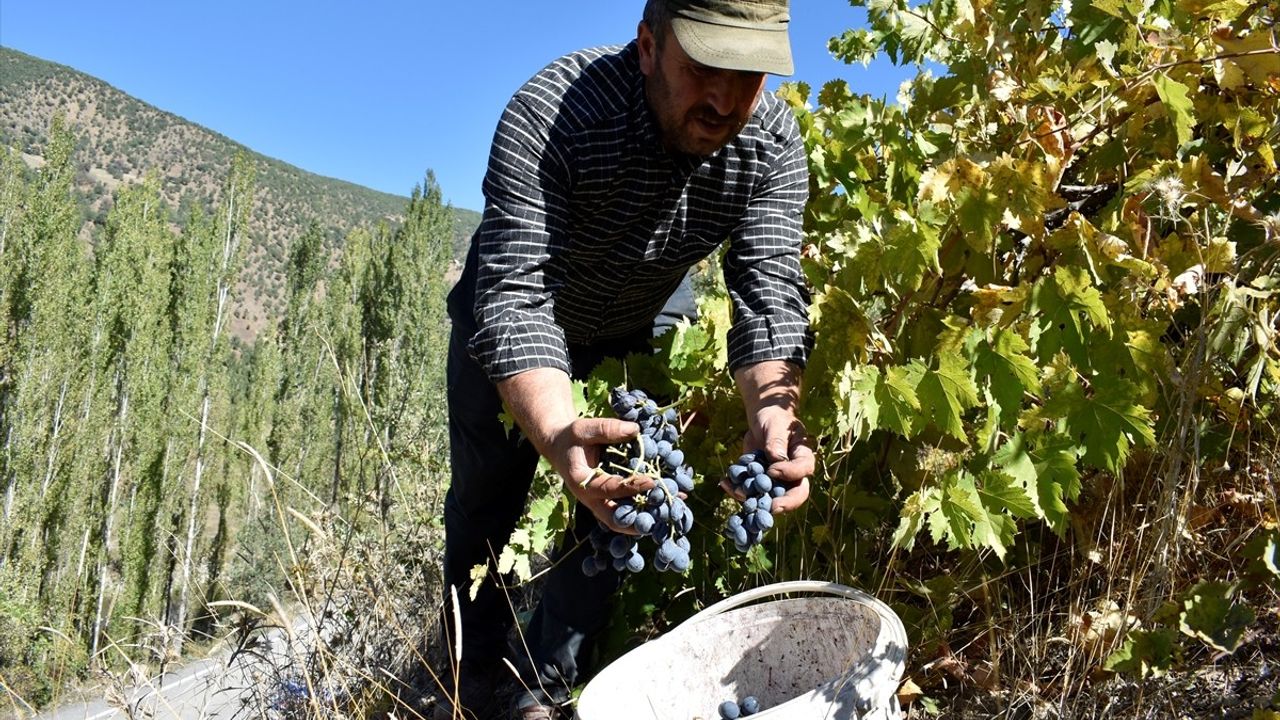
[749,475]
[660,513]
[730,710]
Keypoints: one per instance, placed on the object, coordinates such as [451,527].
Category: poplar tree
[214,251]
[132,291]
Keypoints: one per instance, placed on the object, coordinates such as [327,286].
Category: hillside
[121,139]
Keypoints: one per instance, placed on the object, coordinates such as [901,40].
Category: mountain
[121,139]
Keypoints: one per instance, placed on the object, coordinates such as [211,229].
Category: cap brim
[734,48]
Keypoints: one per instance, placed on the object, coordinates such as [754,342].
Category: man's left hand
[783,438]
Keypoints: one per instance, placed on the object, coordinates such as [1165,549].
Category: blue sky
[377,95]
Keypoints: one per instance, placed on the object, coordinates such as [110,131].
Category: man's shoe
[538,712]
[473,700]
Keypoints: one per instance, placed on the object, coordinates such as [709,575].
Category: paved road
[203,690]
[206,690]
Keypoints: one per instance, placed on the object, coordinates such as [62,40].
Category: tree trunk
[108,517]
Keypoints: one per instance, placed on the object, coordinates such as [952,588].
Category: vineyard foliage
[131,503]
[1046,281]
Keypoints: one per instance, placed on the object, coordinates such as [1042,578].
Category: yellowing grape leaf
[1176,98]
[922,504]
[1251,57]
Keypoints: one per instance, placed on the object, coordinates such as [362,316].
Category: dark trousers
[492,470]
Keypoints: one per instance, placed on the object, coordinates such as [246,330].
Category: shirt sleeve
[522,228]
[762,266]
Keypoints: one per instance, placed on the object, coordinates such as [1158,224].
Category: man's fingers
[614,486]
[794,498]
[604,431]
[794,470]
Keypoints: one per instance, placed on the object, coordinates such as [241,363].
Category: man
[612,172]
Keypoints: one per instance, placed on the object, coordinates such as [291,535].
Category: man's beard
[677,130]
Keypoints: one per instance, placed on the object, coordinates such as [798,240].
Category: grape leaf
[1211,616]
[946,393]
[1000,492]
[1106,421]
[968,522]
[979,214]
[1048,474]
[910,251]
[922,503]
[860,411]
[1061,302]
[895,395]
[1145,652]
[1002,365]
[1176,98]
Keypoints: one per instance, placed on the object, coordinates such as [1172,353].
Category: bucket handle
[816,587]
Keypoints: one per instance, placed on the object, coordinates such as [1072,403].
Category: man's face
[699,108]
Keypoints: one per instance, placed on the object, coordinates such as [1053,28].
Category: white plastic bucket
[834,652]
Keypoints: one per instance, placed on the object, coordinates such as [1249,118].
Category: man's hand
[783,438]
[770,392]
[542,403]
[576,452]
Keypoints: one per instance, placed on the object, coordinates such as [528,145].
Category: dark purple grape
[625,515]
[635,562]
[620,546]
[644,522]
[680,562]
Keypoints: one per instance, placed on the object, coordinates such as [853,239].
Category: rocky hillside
[121,139]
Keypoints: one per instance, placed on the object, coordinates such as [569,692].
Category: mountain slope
[121,139]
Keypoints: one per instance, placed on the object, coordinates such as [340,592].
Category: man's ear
[648,45]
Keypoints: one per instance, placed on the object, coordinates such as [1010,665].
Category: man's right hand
[541,401]
[576,451]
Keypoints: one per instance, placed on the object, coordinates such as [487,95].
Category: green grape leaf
[1176,98]
[979,212]
[1064,302]
[1146,653]
[859,413]
[1003,367]
[922,504]
[968,523]
[1047,473]
[910,251]
[1106,421]
[946,393]
[895,395]
[1211,616]
[1000,492]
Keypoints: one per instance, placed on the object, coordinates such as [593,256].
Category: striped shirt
[590,224]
